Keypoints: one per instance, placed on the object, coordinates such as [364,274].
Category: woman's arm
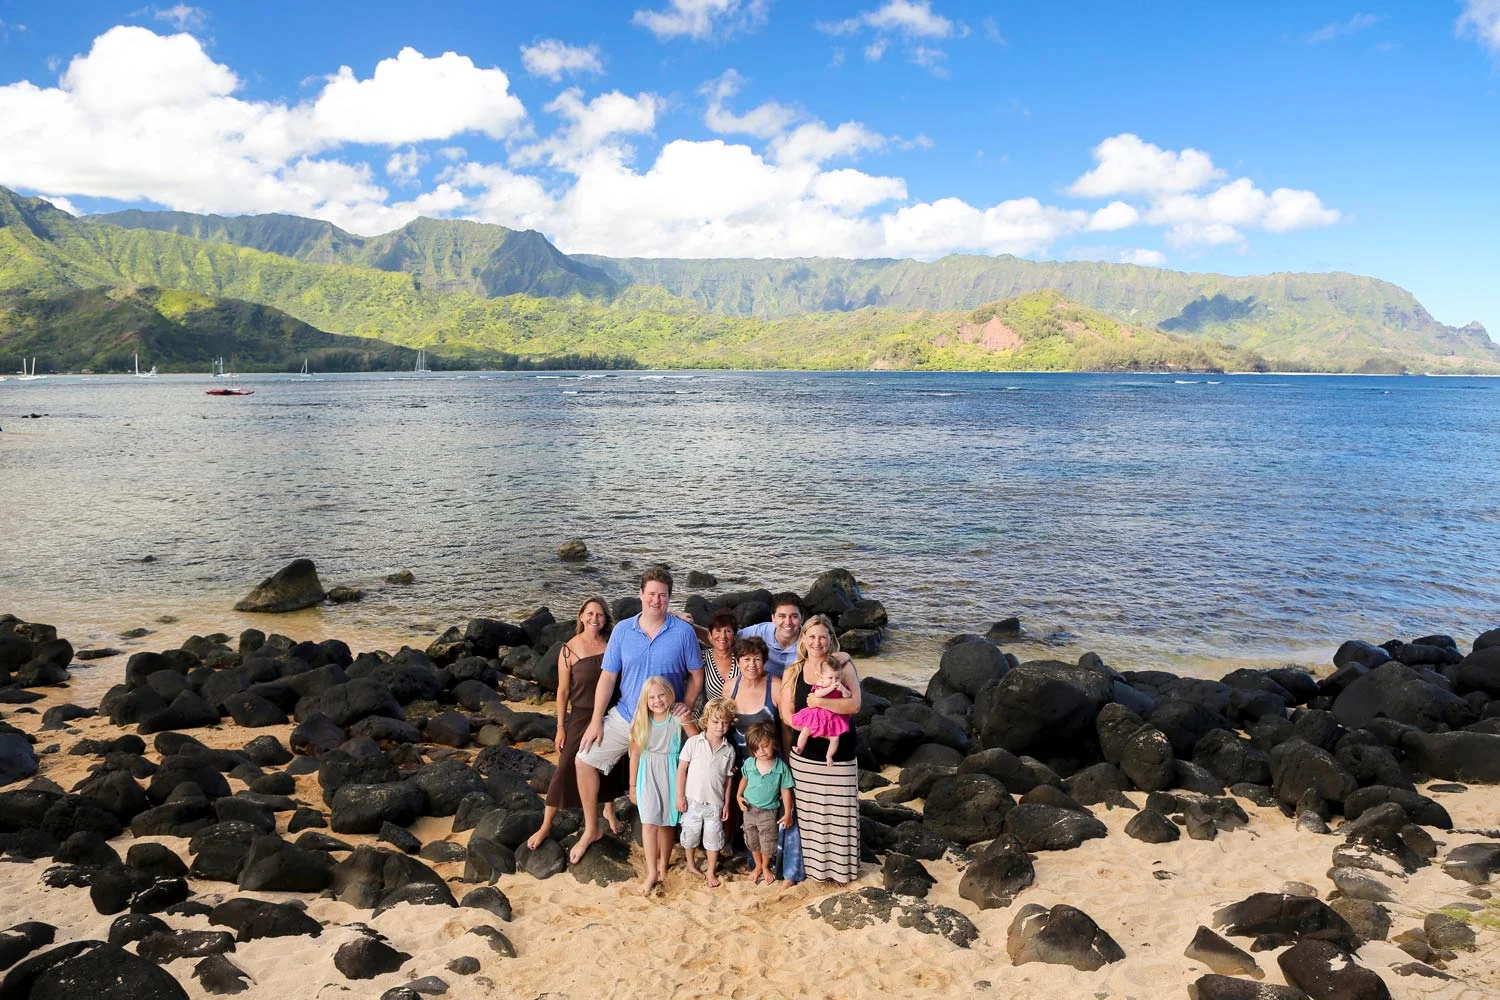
[841,706]
[564,689]
[786,808]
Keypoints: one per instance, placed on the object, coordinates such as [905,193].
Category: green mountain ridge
[425,285]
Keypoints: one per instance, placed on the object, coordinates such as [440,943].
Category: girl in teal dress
[656,735]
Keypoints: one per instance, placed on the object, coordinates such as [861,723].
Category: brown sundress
[562,793]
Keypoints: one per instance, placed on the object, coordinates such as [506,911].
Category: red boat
[229,392]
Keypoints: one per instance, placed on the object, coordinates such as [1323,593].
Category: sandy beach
[584,940]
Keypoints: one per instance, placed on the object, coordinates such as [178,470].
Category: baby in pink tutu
[820,722]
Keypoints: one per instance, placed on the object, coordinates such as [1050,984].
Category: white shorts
[701,824]
[604,755]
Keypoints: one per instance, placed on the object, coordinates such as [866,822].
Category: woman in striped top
[718,655]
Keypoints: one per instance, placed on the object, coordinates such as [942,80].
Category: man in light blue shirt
[780,633]
[651,644]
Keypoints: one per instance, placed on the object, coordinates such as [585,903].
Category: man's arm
[692,657]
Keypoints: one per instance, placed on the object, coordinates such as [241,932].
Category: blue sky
[1247,139]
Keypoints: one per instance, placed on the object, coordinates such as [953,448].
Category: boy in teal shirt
[764,780]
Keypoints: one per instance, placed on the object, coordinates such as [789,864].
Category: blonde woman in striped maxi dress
[826,793]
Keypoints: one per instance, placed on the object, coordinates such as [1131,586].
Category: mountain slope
[443,255]
[104,329]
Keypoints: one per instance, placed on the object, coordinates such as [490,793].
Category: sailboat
[304,372]
[141,374]
[28,376]
[421,368]
[219,367]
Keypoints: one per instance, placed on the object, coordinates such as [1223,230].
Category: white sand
[577,941]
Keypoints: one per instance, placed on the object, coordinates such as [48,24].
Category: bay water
[1185,522]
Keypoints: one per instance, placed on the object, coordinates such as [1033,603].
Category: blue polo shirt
[779,658]
[634,657]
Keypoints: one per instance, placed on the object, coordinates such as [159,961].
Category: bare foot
[580,848]
[535,840]
[711,879]
[693,868]
[647,884]
[614,823]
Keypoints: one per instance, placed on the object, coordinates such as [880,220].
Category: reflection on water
[1158,521]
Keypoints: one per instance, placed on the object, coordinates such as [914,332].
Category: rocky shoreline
[265,816]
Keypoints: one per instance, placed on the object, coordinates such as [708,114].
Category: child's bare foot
[693,868]
[648,883]
[712,879]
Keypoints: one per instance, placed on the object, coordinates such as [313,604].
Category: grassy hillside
[45,252]
[447,256]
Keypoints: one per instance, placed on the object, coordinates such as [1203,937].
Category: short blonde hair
[720,708]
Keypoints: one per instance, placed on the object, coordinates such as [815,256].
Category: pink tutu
[820,722]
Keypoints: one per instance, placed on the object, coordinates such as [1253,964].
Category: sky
[1235,138]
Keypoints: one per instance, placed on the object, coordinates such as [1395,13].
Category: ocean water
[1159,520]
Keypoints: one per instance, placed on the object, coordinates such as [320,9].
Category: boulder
[22,939]
[316,734]
[1048,828]
[220,976]
[1460,756]
[905,876]
[1115,726]
[368,957]
[92,969]
[372,877]
[1395,691]
[1147,760]
[1151,827]
[1298,767]
[997,878]
[1221,956]
[1231,759]
[347,703]
[363,808]
[445,784]
[1063,935]
[1324,971]
[966,808]
[1473,863]
[293,587]
[1370,920]
[1042,706]
[252,711]
[1216,987]
[1002,765]
[969,665]
[1097,783]
[162,947]
[273,865]
[1284,918]
[252,919]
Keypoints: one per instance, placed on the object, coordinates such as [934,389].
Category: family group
[719,730]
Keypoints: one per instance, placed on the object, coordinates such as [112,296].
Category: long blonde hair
[640,723]
[794,671]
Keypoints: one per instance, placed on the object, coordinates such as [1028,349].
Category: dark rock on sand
[168,946]
[489,898]
[372,877]
[967,808]
[220,976]
[1096,783]
[1456,756]
[273,865]
[996,878]
[863,907]
[1063,935]
[1370,920]
[905,876]
[1325,971]
[400,838]
[252,919]
[496,939]
[1473,863]
[1048,828]
[1216,987]
[92,969]
[1152,827]
[1297,767]
[22,939]
[363,808]
[1285,918]
[547,860]
[1147,760]
[1221,956]
[293,587]
[606,862]
[130,927]
[368,957]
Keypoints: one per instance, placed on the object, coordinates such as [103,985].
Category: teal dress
[656,774]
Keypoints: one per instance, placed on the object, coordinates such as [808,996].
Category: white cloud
[1021,225]
[1116,215]
[1215,219]
[411,98]
[62,203]
[1341,29]
[592,126]
[554,59]
[702,19]
[1140,256]
[910,18]
[763,121]
[815,142]
[1129,165]
[931,59]
[1143,257]
[181,16]
[875,51]
[143,116]
[1481,22]
[405,165]
[854,191]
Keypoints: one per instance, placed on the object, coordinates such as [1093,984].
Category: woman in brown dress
[577,677]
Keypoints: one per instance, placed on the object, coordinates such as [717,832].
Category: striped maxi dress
[827,800]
